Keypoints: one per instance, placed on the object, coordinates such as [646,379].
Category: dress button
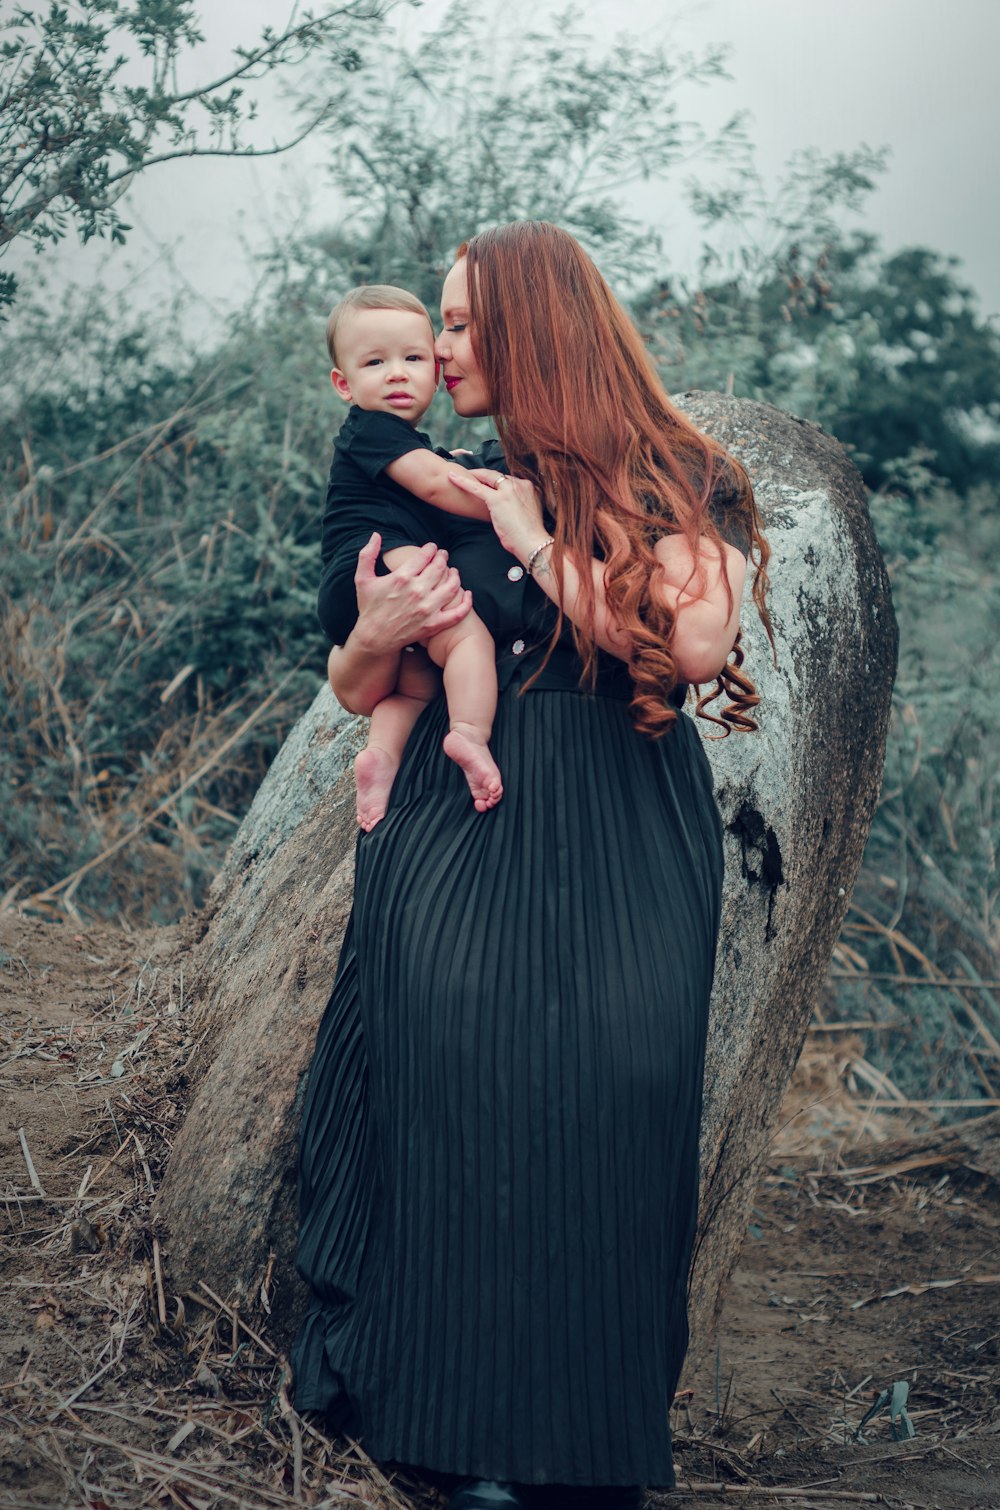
[515,573]
[518,647]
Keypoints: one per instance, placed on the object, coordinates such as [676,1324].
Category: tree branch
[105,122]
[371,10]
[58,187]
[166,157]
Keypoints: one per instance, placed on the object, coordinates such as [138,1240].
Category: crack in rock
[760,855]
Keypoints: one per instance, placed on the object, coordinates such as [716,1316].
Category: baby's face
[386,361]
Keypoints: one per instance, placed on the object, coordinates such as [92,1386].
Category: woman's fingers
[436,569]
[367,558]
[446,599]
[468,482]
[443,588]
[414,601]
[450,615]
[515,509]
[431,586]
[428,565]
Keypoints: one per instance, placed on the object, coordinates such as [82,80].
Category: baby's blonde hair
[371,296]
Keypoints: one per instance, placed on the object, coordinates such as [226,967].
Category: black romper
[499,1150]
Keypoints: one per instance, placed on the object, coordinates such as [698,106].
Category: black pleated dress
[499,1150]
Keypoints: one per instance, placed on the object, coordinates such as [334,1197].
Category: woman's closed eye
[455,329]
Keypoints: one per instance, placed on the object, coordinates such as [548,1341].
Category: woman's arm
[705,596]
[706,621]
[417,600]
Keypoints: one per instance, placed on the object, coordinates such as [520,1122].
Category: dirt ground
[115,1393]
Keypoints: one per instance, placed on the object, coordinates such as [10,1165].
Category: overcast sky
[916,75]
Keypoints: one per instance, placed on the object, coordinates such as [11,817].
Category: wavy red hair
[580,411]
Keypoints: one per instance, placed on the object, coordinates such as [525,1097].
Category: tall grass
[157,583]
[920,950]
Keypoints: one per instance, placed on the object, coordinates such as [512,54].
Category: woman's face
[453,347]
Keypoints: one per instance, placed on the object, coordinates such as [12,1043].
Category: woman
[500,1137]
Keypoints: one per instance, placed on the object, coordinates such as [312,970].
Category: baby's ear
[340,385]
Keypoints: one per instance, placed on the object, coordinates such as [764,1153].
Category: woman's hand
[697,590]
[417,600]
[420,598]
[515,507]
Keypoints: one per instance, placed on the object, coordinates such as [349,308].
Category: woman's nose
[442,349]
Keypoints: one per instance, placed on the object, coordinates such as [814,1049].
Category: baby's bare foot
[374,772]
[481,770]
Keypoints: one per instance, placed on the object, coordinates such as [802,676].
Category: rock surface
[797,800]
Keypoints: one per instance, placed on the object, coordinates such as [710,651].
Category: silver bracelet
[537,552]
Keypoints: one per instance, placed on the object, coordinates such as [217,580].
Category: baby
[381,343]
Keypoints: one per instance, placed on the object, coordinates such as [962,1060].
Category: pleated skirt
[499,1144]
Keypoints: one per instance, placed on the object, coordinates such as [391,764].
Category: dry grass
[131,1396]
[127,749]
[195,750]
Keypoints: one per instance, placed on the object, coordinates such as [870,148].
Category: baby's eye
[373,361]
[416,356]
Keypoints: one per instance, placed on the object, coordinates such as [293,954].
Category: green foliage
[893,1400]
[890,354]
[927,371]
[159,541]
[548,126]
[75,130]
[926,900]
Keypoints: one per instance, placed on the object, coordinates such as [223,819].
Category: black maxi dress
[499,1147]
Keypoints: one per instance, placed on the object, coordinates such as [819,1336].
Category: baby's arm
[426,475]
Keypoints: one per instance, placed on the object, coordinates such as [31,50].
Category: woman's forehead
[455,290]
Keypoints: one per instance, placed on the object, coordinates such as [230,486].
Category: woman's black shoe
[586,1497]
[487,1494]
[627,1497]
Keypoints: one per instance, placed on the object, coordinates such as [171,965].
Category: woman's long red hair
[581,411]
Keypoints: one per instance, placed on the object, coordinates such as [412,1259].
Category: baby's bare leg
[391,725]
[467,657]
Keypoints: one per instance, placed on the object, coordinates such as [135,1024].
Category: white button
[518,647]
[515,573]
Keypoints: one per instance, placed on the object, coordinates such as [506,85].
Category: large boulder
[797,799]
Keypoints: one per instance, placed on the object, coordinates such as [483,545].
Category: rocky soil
[864,1268]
